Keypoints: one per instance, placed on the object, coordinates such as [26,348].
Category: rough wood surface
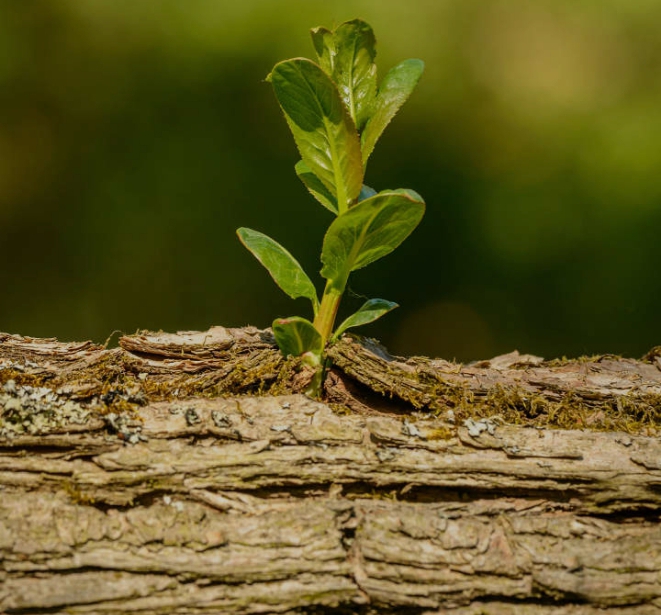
[143,479]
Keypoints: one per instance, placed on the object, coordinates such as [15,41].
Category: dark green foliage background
[136,136]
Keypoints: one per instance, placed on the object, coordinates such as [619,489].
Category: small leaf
[366,232]
[316,187]
[324,132]
[324,45]
[354,69]
[366,192]
[370,311]
[283,267]
[297,336]
[394,90]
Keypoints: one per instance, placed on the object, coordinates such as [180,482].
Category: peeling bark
[144,480]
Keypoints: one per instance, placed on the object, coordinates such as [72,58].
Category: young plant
[336,113]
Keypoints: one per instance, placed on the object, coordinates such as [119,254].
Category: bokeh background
[137,135]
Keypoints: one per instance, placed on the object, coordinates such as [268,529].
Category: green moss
[441,433]
[631,413]
[75,494]
[22,379]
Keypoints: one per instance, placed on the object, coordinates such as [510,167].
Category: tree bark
[186,473]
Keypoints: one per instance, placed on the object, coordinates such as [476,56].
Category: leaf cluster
[337,111]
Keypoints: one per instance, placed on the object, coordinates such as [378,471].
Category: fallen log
[186,473]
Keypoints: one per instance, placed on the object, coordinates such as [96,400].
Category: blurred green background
[137,135]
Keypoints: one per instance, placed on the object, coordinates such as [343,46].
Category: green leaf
[324,45]
[354,70]
[283,267]
[370,311]
[297,336]
[411,193]
[394,90]
[316,187]
[366,192]
[324,132]
[368,231]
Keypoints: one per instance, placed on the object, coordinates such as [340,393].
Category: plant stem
[325,319]
[323,323]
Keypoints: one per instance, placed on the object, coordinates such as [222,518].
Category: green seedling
[336,112]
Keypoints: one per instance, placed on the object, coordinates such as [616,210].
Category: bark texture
[184,473]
